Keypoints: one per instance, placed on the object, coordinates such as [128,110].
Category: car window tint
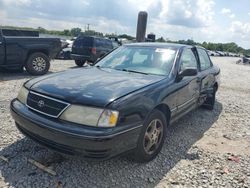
[115,44]
[108,44]
[204,59]
[187,60]
[142,59]
[83,42]
[99,42]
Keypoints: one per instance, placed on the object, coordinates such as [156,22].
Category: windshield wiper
[128,70]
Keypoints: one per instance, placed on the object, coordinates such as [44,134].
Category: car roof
[158,44]
[162,45]
[94,37]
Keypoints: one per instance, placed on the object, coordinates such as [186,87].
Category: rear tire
[38,64]
[152,137]
[80,63]
[210,101]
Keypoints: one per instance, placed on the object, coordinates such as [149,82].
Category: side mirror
[190,71]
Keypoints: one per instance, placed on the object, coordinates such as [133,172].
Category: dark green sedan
[123,104]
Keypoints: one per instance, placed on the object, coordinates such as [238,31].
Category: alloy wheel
[39,64]
[153,136]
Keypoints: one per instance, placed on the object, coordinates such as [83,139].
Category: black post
[141,26]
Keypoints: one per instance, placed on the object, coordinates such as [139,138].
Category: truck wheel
[80,63]
[37,64]
[151,138]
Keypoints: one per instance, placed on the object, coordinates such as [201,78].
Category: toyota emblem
[40,103]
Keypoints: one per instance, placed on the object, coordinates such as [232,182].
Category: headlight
[108,118]
[23,95]
[90,116]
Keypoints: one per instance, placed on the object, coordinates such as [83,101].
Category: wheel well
[165,110]
[35,51]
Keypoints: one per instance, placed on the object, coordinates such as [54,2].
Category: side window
[98,42]
[204,59]
[108,44]
[187,60]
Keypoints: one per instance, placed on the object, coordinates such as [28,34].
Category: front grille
[45,105]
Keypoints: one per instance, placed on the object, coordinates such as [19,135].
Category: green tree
[161,39]
[126,36]
[66,32]
[41,30]
[75,31]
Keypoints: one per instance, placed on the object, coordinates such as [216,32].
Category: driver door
[188,93]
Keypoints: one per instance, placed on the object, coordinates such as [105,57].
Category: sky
[201,20]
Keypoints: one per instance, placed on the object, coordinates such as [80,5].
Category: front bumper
[69,138]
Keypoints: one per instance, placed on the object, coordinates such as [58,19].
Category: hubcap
[39,64]
[153,136]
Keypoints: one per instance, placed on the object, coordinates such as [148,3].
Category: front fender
[136,106]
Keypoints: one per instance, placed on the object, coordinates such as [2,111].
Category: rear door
[2,50]
[206,75]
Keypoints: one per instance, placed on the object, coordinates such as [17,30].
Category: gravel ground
[203,149]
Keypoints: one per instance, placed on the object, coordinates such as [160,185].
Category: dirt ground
[203,149]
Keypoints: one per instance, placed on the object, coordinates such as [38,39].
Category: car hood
[91,86]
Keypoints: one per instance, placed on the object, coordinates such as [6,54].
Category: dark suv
[87,48]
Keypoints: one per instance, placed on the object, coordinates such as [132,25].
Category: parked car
[88,48]
[70,42]
[64,54]
[211,53]
[33,53]
[220,53]
[123,103]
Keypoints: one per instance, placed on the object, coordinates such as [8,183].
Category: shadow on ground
[117,172]
[7,75]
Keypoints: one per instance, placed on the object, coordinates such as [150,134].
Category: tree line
[225,47]
[74,32]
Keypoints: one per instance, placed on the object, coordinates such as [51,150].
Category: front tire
[151,138]
[38,64]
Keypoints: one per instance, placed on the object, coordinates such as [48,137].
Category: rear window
[83,42]
[205,62]
[109,44]
[103,43]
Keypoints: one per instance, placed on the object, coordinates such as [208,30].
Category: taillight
[93,50]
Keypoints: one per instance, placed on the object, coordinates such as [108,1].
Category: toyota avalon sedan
[124,103]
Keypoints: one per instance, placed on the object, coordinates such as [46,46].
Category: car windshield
[144,60]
